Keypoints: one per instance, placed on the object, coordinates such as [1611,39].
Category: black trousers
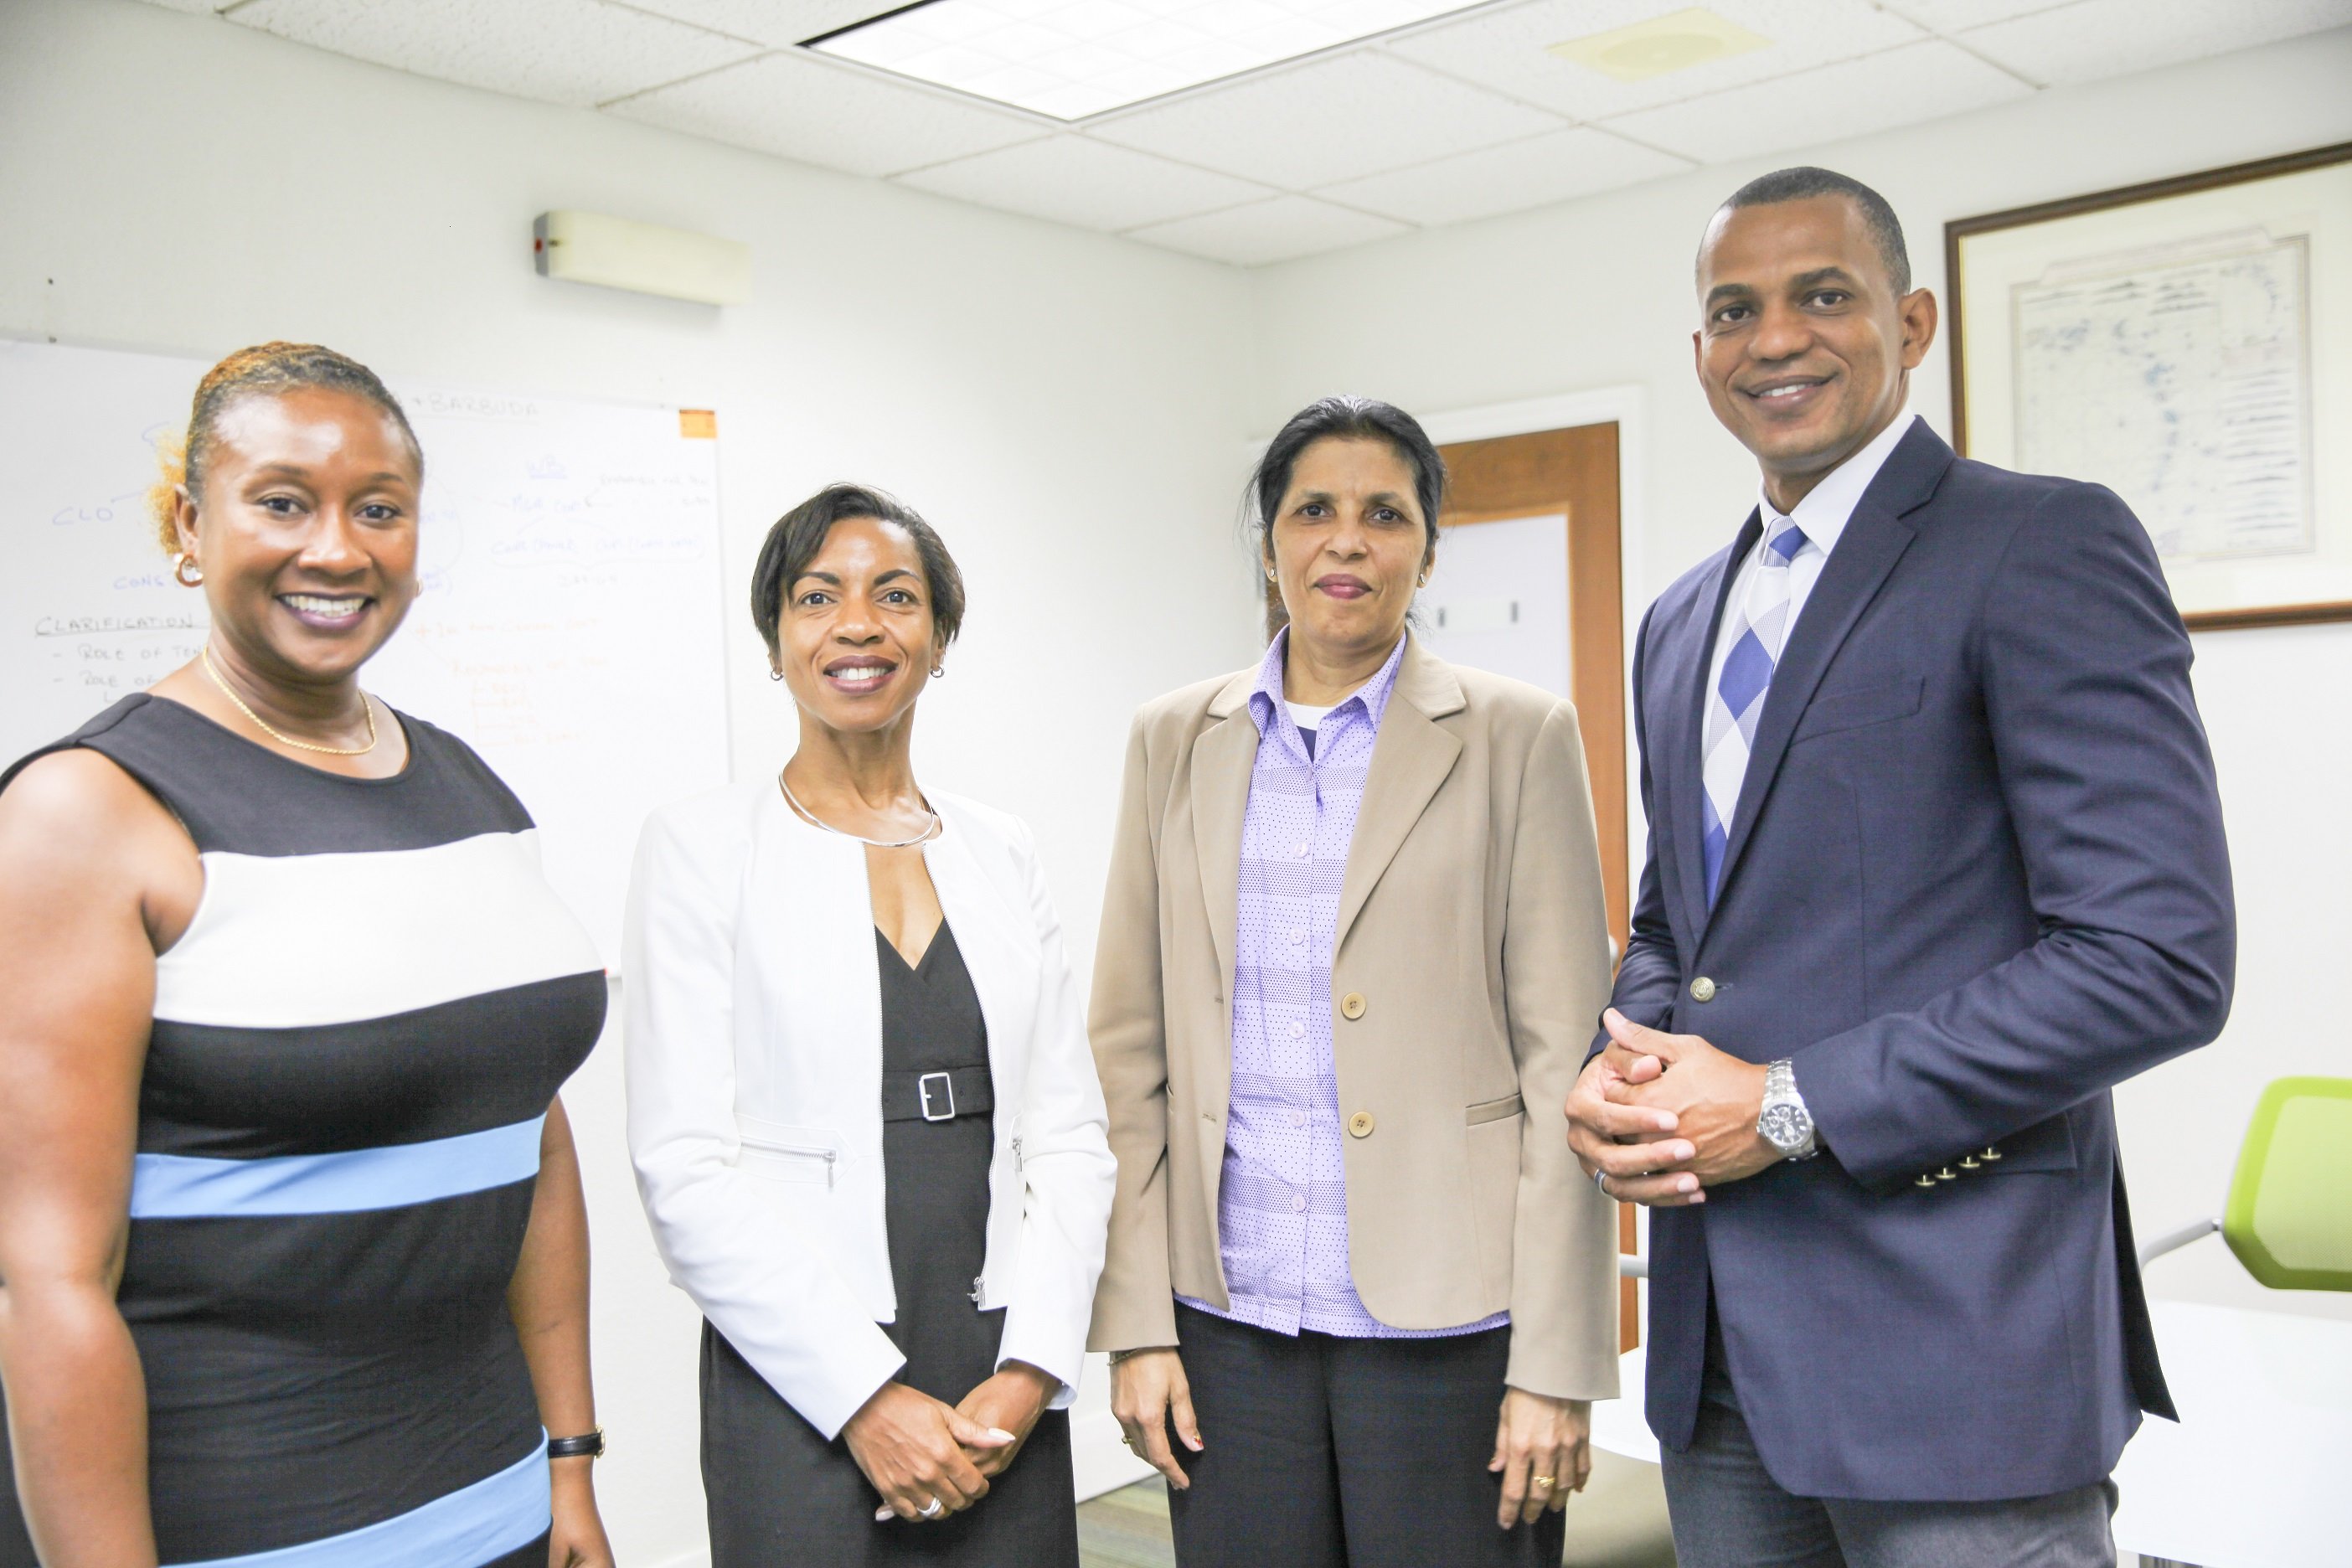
[780,1496]
[1323,1452]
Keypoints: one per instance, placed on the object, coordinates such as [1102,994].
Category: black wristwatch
[591,1447]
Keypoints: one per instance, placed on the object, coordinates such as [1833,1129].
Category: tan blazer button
[1361,1124]
[1351,1005]
[1702,989]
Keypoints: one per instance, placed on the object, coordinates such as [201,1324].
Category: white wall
[1069,409]
[1063,406]
[1595,294]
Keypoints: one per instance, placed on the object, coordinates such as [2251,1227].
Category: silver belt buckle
[946,1088]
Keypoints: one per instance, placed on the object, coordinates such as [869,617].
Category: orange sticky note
[698,423]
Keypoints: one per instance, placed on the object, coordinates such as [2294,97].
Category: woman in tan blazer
[1352,948]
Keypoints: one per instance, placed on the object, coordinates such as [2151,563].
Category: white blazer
[753,1043]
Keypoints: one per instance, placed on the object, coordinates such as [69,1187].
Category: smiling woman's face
[306,529]
[1348,548]
[855,639]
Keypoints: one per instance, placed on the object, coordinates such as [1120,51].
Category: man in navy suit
[1936,860]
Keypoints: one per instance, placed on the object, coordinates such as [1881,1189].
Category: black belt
[937,1096]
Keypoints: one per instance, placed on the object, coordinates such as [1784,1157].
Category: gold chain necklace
[205,653]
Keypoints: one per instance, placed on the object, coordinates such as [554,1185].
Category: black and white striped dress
[353,1050]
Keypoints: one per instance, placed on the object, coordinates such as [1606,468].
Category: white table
[1618,1425]
[2258,1474]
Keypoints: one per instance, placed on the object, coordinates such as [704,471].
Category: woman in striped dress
[293,1257]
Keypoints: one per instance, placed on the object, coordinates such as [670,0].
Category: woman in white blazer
[863,1111]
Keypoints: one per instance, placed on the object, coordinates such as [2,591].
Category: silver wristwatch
[1785,1123]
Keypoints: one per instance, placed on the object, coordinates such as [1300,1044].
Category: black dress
[779,1494]
[353,1050]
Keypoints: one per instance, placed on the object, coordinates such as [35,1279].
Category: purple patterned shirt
[1282,1197]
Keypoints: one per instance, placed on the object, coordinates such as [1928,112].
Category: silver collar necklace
[813,820]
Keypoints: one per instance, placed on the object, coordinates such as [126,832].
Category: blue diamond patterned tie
[1759,630]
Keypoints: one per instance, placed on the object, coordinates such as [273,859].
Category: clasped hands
[930,1460]
[1664,1116]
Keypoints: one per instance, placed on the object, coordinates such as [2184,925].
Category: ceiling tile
[2096,39]
[1078,58]
[1332,119]
[1274,230]
[1511,49]
[797,105]
[578,52]
[198,6]
[1092,184]
[1555,167]
[1901,87]
[775,22]
[1952,16]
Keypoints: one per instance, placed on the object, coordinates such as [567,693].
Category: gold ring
[1542,1483]
[1126,1439]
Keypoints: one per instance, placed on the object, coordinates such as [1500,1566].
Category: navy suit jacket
[1976,877]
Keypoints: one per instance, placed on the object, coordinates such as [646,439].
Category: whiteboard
[1497,599]
[568,626]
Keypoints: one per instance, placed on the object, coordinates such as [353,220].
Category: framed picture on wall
[2188,343]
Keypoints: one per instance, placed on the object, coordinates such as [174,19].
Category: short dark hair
[1804,181]
[801,533]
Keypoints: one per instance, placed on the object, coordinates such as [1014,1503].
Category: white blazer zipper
[832,1157]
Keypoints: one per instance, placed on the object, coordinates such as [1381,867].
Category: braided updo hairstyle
[266,370]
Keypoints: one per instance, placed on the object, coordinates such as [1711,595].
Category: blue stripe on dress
[182,1186]
[473,1525]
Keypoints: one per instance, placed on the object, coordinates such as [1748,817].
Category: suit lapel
[1411,758]
[1682,739]
[1874,540]
[1223,759]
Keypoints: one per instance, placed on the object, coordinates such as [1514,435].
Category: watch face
[1783,1126]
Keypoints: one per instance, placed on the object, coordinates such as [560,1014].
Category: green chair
[2289,1218]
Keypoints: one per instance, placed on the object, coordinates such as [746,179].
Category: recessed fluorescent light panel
[1661,45]
[1072,59]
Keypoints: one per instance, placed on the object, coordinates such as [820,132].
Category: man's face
[1803,344]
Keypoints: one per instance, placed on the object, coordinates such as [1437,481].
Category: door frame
[1627,406]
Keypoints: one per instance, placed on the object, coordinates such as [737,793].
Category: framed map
[2188,343]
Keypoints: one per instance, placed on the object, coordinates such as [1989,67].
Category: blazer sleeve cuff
[854,1373]
[1146,1323]
[1540,1364]
[1057,1350]
[1857,1122]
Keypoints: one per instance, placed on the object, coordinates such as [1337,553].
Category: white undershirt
[1308,717]
[1827,508]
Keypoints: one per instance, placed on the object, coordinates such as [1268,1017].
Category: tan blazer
[1472,964]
